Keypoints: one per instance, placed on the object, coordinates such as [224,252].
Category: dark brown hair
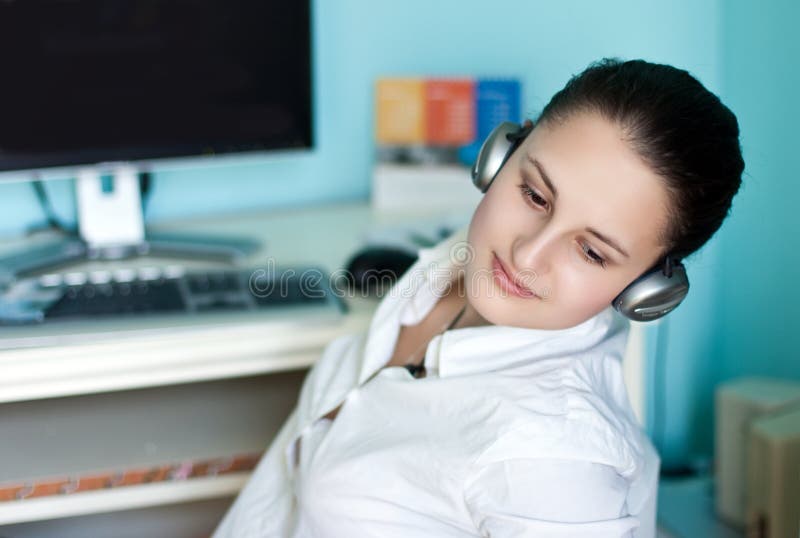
[678,127]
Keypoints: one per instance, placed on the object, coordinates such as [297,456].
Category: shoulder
[574,425]
[569,469]
[563,476]
[569,408]
[548,497]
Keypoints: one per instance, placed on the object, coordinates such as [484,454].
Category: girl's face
[571,219]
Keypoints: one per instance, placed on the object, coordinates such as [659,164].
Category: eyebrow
[610,242]
[544,175]
[604,238]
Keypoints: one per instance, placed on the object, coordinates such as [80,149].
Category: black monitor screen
[88,81]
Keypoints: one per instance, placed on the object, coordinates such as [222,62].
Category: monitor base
[111,227]
[66,251]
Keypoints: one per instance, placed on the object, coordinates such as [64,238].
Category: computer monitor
[100,90]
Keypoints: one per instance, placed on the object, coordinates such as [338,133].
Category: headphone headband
[519,135]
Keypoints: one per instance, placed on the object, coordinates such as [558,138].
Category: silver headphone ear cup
[653,294]
[493,153]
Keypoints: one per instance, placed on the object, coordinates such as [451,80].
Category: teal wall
[743,280]
[732,322]
[758,296]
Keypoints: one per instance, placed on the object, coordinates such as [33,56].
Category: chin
[513,312]
[507,311]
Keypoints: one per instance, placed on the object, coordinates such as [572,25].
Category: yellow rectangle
[400,111]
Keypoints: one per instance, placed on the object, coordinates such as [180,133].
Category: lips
[508,282]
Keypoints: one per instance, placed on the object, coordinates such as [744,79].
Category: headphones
[652,295]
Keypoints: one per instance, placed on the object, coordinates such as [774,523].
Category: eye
[533,196]
[591,256]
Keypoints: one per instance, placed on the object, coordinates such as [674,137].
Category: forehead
[600,180]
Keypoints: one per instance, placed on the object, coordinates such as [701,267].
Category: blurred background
[742,316]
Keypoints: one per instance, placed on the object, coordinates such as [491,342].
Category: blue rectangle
[496,101]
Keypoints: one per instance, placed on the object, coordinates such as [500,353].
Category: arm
[549,498]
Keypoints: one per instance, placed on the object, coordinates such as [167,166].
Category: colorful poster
[400,111]
[449,112]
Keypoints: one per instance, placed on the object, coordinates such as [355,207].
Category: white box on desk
[422,187]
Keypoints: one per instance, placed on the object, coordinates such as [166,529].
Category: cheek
[584,295]
[498,213]
[589,295]
[480,234]
[481,220]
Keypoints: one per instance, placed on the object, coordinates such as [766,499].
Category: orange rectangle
[449,112]
[399,111]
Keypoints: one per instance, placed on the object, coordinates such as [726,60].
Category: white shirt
[513,432]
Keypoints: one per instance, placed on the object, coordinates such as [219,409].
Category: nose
[532,254]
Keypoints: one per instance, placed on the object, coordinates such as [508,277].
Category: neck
[470,317]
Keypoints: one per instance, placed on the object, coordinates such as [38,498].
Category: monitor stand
[111,227]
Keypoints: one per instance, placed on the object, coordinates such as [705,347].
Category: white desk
[76,400]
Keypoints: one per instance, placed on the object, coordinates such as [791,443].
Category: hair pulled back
[679,128]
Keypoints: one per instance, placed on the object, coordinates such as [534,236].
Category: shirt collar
[476,349]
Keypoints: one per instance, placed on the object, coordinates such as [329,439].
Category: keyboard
[150,291]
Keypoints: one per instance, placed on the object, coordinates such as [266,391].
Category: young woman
[487,397]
